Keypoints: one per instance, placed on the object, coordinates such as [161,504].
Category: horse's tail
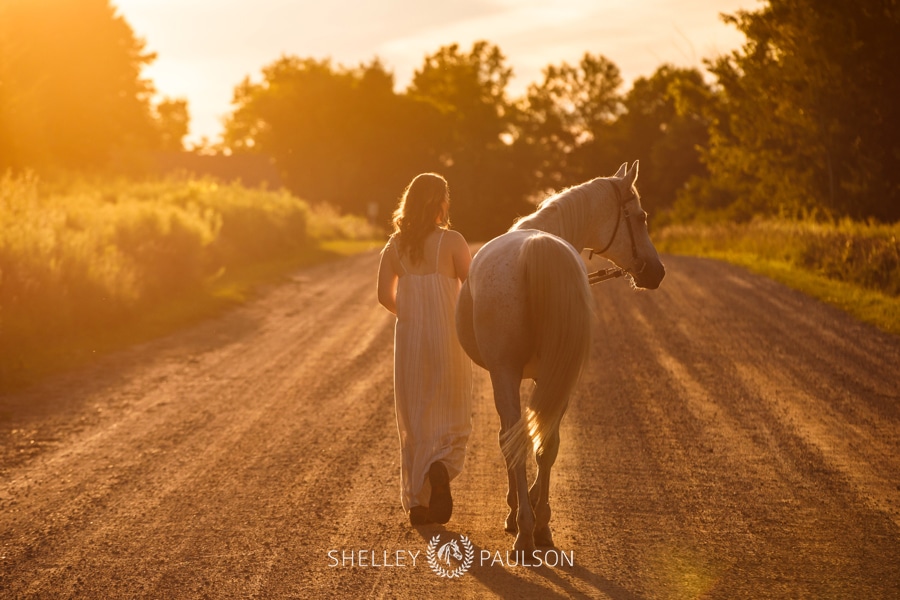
[560,309]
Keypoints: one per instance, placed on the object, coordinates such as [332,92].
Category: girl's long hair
[415,216]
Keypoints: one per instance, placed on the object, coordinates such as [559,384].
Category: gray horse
[525,312]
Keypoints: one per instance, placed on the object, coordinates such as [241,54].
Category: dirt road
[731,439]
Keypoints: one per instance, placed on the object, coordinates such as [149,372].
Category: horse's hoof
[524,546]
[511,525]
[544,538]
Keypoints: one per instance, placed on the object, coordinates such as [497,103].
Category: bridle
[614,272]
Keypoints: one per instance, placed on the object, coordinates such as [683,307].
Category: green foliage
[570,110]
[803,117]
[473,124]
[863,254]
[89,256]
[665,124]
[576,125]
[470,89]
[338,135]
[327,224]
[70,71]
[807,115]
[344,137]
[172,123]
[851,265]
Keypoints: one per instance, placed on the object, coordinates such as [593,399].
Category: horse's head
[626,241]
[448,549]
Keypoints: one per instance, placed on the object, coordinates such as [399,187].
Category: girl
[422,267]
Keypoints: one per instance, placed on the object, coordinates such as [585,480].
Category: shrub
[866,254]
[78,255]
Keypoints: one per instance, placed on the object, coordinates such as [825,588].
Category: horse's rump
[559,310]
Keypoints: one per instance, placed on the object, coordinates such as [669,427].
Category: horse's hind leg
[520,519]
[511,500]
[539,494]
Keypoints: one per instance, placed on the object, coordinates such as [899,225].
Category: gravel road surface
[730,439]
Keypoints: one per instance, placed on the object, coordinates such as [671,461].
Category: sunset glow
[205,47]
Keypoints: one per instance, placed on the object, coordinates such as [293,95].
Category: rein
[616,272]
[604,274]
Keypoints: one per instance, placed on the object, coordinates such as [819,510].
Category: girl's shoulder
[454,239]
[454,236]
[392,242]
[392,258]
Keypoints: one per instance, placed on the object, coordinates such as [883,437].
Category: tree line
[803,118]
[345,135]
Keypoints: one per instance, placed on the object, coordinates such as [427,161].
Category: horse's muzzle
[650,276]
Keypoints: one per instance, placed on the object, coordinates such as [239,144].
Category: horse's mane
[564,214]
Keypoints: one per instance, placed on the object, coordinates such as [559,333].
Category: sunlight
[235,39]
[686,573]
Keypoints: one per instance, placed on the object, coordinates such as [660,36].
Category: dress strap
[437,256]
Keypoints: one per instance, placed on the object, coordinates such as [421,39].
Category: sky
[205,48]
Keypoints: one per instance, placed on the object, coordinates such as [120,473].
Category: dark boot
[441,506]
[418,515]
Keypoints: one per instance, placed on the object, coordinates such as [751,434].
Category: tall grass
[82,257]
[866,254]
[851,264]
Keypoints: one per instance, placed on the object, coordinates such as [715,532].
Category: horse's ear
[621,171]
[631,176]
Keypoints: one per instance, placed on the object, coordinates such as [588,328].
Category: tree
[71,91]
[808,115]
[337,134]
[172,123]
[474,134]
[565,122]
[469,90]
[298,115]
[665,124]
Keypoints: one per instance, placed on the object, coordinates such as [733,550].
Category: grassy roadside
[852,266]
[87,267]
[77,348]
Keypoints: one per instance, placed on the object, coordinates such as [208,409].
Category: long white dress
[432,380]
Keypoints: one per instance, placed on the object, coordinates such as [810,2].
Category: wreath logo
[449,554]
